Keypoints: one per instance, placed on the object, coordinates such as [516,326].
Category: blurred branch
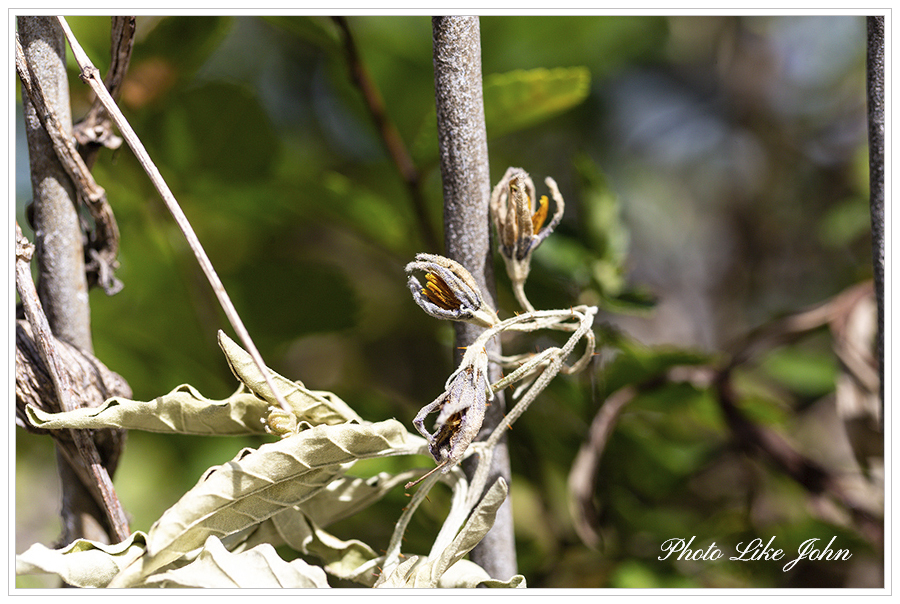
[814,477]
[389,134]
[462,142]
[583,474]
[90,75]
[875,96]
[811,475]
[85,459]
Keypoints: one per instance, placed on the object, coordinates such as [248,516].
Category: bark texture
[462,139]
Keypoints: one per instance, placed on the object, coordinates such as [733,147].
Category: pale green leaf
[260,567]
[183,411]
[348,495]
[301,527]
[467,574]
[260,483]
[312,407]
[83,563]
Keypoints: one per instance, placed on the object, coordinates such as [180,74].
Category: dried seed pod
[519,223]
[450,291]
[460,410]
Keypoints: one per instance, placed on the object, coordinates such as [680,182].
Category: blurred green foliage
[693,171]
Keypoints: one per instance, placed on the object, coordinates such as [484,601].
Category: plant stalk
[462,140]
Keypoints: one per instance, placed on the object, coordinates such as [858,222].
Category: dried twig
[98,480]
[89,192]
[95,130]
[91,76]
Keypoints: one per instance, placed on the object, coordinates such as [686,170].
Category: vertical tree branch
[58,237]
[462,139]
[62,287]
[875,95]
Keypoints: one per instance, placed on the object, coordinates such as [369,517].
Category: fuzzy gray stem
[875,90]
[462,140]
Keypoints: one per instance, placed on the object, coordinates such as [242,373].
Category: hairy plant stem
[462,141]
[875,97]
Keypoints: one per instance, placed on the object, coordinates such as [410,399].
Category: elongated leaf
[260,567]
[348,495]
[183,411]
[261,483]
[309,406]
[467,574]
[83,563]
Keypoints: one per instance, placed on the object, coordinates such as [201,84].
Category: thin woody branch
[89,192]
[391,138]
[87,463]
[465,175]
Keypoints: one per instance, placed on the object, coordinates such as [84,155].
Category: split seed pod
[450,291]
[460,410]
[519,218]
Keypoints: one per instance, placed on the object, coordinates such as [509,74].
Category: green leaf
[519,99]
[309,406]
[316,30]
[83,563]
[808,372]
[260,567]
[182,411]
[258,484]
[378,218]
[184,42]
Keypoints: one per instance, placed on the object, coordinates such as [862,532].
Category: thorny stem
[91,76]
